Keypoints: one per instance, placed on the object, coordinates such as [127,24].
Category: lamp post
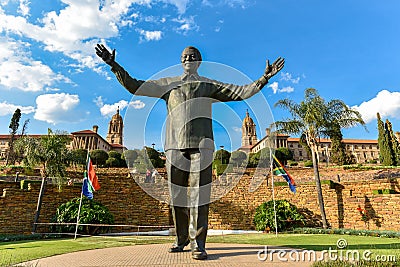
[153,145]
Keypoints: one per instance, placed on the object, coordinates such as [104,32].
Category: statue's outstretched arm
[150,88]
[270,71]
[232,92]
[105,55]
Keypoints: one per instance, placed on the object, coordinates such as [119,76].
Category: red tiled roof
[116,145]
[7,136]
[84,132]
[282,135]
[347,141]
[360,141]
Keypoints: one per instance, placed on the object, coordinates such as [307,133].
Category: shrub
[308,163]
[112,162]
[92,212]
[99,157]
[287,216]
[293,163]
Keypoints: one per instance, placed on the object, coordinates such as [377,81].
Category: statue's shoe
[176,248]
[199,254]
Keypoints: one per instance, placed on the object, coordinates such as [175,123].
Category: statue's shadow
[216,253]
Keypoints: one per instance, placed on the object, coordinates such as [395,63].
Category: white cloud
[285,76]
[234,3]
[110,109]
[19,70]
[24,8]
[137,104]
[150,35]
[73,30]
[79,25]
[287,89]
[8,109]
[55,108]
[275,88]
[186,24]
[181,5]
[237,129]
[385,102]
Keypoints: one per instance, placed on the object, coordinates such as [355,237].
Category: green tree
[340,116]
[264,158]
[130,157]
[283,154]
[155,157]
[222,155]
[238,158]
[118,162]
[50,153]
[18,149]
[14,124]
[254,158]
[99,157]
[303,143]
[79,156]
[387,155]
[338,149]
[112,162]
[394,144]
[313,118]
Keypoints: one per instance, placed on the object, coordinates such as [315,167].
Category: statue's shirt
[189,104]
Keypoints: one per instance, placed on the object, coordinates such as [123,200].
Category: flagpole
[273,191]
[79,212]
[80,202]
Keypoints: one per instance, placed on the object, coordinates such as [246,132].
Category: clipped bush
[293,163]
[308,163]
[287,216]
[112,162]
[92,212]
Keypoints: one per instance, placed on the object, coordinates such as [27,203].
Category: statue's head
[191,59]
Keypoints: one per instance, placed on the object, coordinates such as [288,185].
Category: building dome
[116,116]
[115,129]
[249,135]
[247,120]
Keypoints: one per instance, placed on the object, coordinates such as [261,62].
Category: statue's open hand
[273,69]
[105,55]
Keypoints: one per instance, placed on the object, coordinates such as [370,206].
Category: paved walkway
[219,255]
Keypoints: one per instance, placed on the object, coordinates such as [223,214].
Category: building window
[300,153]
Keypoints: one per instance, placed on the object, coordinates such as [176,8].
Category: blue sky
[347,50]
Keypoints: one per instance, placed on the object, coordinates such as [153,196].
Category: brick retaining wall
[131,205]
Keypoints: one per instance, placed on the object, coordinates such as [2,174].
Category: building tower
[249,135]
[115,128]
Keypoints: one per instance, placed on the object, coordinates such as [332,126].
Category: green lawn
[314,241]
[14,252]
[20,251]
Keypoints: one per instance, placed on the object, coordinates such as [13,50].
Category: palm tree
[313,118]
[340,116]
[50,153]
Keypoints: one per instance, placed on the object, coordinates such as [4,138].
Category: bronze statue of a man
[189,139]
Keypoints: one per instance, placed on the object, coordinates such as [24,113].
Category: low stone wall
[131,205]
